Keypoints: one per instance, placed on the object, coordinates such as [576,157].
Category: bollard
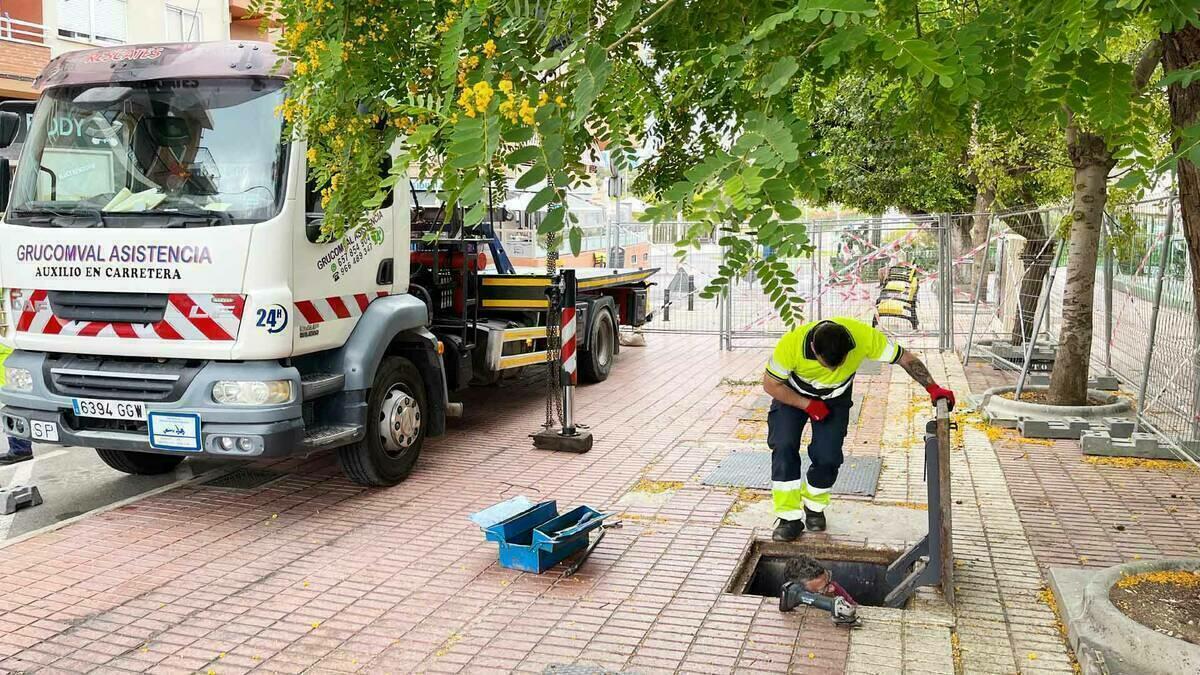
[569,439]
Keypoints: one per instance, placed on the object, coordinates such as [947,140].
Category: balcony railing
[25,32]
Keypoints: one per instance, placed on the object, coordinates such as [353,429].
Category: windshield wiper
[60,217]
[178,217]
[191,217]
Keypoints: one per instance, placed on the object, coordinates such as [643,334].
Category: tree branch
[1146,64]
[645,22]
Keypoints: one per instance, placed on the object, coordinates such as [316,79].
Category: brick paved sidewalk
[311,573]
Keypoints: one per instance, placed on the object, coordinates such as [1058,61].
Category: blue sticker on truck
[273,318]
[175,431]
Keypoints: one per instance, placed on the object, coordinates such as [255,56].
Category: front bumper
[271,431]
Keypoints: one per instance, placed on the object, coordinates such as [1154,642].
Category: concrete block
[1096,443]
[1002,422]
[17,497]
[1120,427]
[1046,429]
[1104,383]
[1139,444]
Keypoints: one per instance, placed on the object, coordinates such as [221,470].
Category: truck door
[334,282]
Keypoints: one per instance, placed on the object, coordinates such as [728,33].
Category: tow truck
[168,292]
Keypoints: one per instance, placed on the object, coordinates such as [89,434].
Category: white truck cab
[166,292]
[161,291]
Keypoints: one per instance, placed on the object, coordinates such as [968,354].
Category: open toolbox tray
[535,537]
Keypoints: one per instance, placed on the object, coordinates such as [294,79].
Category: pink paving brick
[397,579]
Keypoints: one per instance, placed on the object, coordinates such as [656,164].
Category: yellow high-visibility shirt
[795,363]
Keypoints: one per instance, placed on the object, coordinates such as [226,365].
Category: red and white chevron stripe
[336,307]
[188,316]
[567,352]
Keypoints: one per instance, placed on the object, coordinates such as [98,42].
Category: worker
[815,577]
[810,376]
[12,450]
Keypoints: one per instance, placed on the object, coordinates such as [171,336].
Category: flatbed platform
[526,290]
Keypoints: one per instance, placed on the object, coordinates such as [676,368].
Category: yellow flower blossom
[506,86]
[483,94]
[526,112]
[558,99]
[311,155]
[489,48]
[302,68]
[543,98]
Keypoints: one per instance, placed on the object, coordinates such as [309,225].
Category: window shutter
[110,20]
[74,17]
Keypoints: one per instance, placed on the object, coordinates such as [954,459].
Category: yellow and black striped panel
[519,292]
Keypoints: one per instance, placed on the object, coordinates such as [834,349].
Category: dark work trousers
[790,488]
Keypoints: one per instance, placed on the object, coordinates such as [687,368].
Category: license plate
[43,431]
[112,410]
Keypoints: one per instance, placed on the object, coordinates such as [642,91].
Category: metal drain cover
[244,479]
[858,475]
[577,669]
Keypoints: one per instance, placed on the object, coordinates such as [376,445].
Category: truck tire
[396,412]
[139,463]
[595,362]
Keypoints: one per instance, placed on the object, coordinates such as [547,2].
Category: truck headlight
[270,392]
[18,379]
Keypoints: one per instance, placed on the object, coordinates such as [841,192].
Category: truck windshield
[153,154]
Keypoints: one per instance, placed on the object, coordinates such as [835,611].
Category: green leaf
[448,52]
[518,134]
[576,236]
[778,76]
[553,221]
[535,174]
[523,155]
[621,18]
[542,198]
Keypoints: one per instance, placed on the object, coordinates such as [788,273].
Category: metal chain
[553,341]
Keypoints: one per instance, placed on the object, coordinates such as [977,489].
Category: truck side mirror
[10,124]
[312,226]
[5,182]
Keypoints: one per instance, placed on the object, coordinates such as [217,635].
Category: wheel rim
[399,421]
[604,343]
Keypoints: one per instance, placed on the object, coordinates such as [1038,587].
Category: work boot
[19,450]
[815,519]
[788,530]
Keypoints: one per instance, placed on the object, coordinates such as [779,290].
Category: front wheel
[139,463]
[596,361]
[396,413]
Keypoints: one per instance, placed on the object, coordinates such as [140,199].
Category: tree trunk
[1092,160]
[960,243]
[984,199]
[1181,49]
[1037,255]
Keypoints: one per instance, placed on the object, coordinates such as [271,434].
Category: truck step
[331,434]
[316,385]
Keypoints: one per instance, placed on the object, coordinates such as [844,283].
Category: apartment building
[34,31]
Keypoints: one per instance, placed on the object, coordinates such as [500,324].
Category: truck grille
[125,379]
[108,307]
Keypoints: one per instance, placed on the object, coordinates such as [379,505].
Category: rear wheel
[396,413]
[139,463]
[597,360]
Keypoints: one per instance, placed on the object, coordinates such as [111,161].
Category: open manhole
[861,571]
[245,478]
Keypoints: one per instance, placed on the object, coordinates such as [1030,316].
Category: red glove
[817,409]
[937,391]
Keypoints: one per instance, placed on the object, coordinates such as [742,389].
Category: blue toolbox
[534,537]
